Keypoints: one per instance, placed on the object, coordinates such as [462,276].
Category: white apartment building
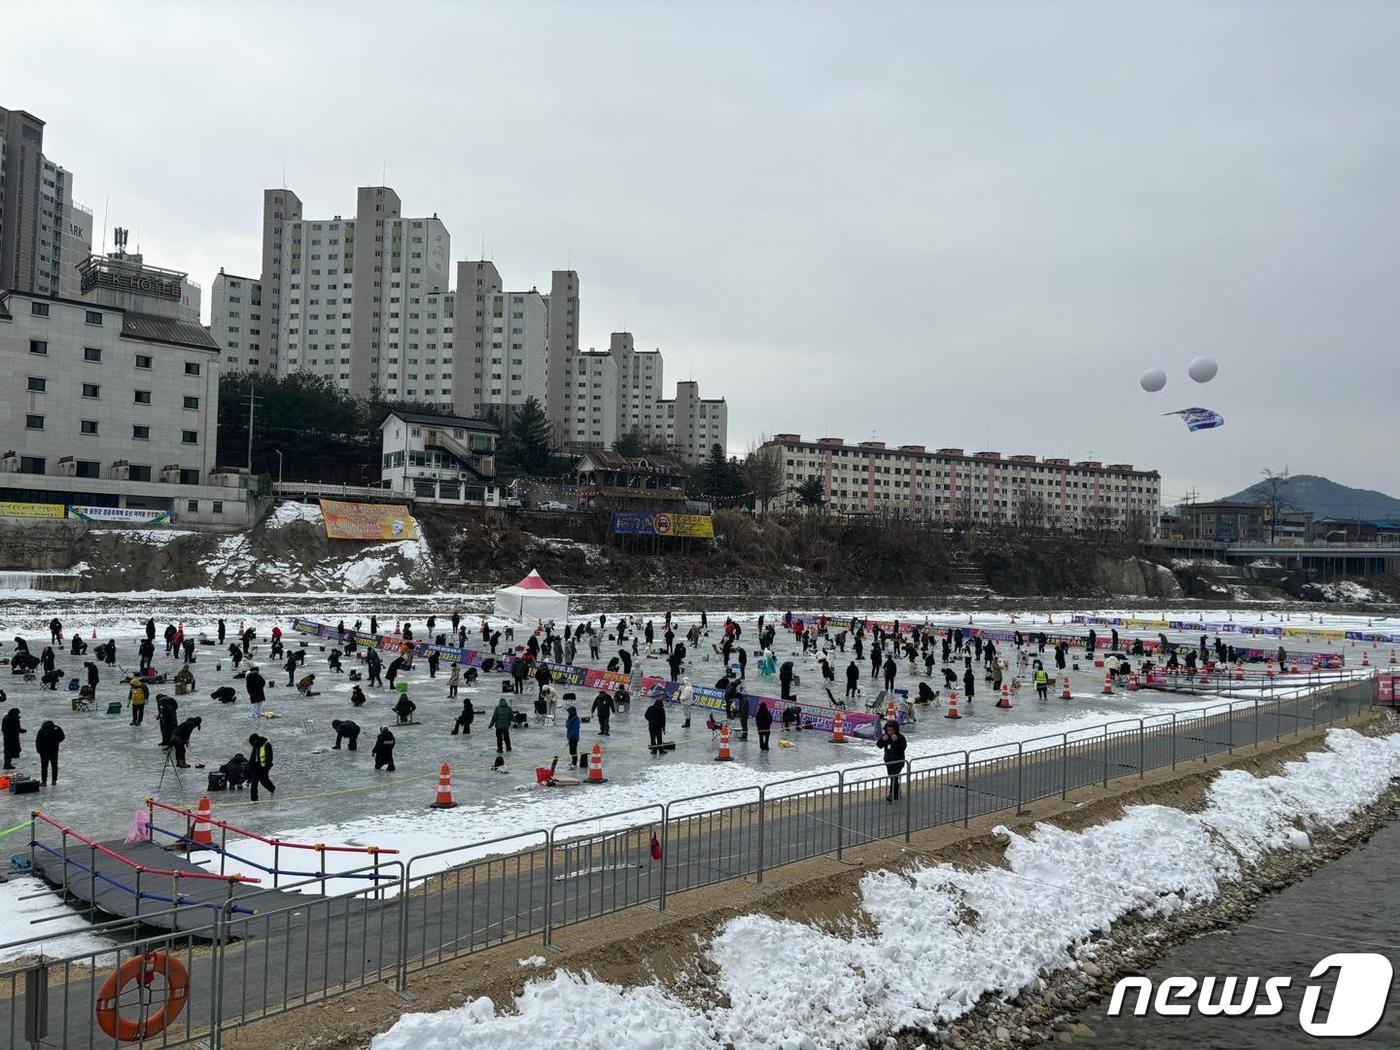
[983,487]
[235,321]
[502,343]
[112,400]
[358,300]
[690,424]
[44,235]
[591,396]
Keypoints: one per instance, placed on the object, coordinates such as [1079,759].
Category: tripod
[173,768]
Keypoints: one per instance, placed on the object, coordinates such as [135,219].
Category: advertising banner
[663,523]
[32,510]
[120,515]
[368,521]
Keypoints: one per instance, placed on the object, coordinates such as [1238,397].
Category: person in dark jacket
[890,670]
[572,728]
[500,722]
[656,722]
[785,679]
[741,708]
[91,669]
[235,771]
[257,690]
[372,666]
[225,694]
[763,722]
[892,742]
[348,731]
[357,697]
[404,709]
[150,630]
[46,742]
[384,750]
[465,718]
[603,708]
[852,679]
[969,680]
[10,730]
[167,718]
[181,739]
[259,766]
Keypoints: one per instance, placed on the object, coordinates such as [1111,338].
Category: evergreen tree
[526,441]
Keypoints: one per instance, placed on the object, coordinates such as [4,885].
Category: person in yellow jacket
[1042,682]
[138,696]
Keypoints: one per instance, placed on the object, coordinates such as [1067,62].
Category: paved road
[279,959]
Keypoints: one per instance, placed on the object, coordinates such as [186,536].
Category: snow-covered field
[920,963]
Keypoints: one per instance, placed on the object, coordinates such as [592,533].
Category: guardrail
[466,898]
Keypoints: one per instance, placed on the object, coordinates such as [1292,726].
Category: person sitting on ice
[225,694]
[404,709]
[235,771]
[357,697]
[334,660]
[306,684]
[78,646]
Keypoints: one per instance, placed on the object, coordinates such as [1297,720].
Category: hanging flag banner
[32,510]
[663,523]
[120,515]
[368,521]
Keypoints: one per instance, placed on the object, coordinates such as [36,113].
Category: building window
[91,390]
[94,317]
[38,384]
[39,309]
[34,422]
[143,397]
[89,468]
[191,368]
[189,477]
[192,506]
[189,437]
[218,507]
[31,464]
[140,433]
[143,361]
[138,473]
[88,426]
[192,403]
[38,346]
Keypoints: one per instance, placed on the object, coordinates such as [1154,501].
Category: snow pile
[941,937]
[1342,592]
[26,900]
[285,514]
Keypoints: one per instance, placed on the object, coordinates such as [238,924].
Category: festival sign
[663,523]
[121,515]
[32,510]
[368,521]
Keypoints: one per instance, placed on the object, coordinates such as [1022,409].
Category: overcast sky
[964,225]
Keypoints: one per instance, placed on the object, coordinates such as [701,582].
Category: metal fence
[460,900]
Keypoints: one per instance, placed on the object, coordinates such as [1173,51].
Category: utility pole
[252,403]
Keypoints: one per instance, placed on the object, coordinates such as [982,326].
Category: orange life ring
[142,968]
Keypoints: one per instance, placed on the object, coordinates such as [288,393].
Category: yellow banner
[368,521]
[695,526]
[33,510]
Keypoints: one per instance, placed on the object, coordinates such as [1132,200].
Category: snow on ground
[288,513]
[17,914]
[921,964]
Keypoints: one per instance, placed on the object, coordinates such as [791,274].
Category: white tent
[532,599]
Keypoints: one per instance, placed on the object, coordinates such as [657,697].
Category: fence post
[761,808]
[92,882]
[216,964]
[276,862]
[1142,752]
[548,885]
[401,966]
[1105,754]
[967,791]
[908,801]
[1230,729]
[1256,725]
[665,851]
[1173,739]
[1019,777]
[1205,737]
[1064,765]
[840,812]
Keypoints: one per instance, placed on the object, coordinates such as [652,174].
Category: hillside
[1328,499]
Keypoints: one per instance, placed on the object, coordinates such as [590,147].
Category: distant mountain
[1327,499]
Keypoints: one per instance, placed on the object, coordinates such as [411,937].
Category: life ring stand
[142,968]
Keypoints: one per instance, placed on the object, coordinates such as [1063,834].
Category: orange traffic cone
[1365,658]
[1108,684]
[952,711]
[1392,656]
[1132,682]
[1239,671]
[1004,700]
[1205,675]
[203,834]
[444,790]
[595,766]
[94,634]
[724,755]
[838,727]
[1269,666]
[1064,688]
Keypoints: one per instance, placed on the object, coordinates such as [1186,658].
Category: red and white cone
[952,711]
[1004,701]
[724,755]
[444,789]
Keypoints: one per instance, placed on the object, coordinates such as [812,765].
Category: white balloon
[1202,369]
[1152,380]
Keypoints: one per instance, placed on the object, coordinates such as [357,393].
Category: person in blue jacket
[571,732]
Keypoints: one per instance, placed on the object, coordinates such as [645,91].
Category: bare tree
[1031,513]
[763,470]
[1273,493]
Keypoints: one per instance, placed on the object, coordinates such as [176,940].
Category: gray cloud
[954,224]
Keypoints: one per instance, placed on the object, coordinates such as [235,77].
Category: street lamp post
[279,465]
